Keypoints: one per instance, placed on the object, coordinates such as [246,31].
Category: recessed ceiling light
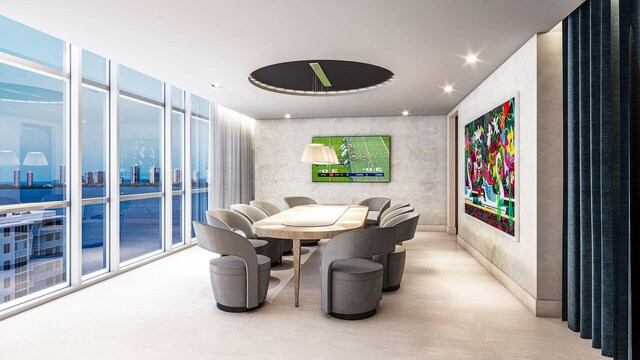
[287,116]
[405,113]
[448,88]
[216,85]
[471,59]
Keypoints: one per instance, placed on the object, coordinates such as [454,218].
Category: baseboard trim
[540,308]
[432,228]
[452,230]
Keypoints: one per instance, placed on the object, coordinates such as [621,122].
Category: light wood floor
[448,307]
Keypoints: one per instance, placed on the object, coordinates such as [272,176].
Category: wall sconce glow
[471,59]
[448,89]
[287,116]
[405,113]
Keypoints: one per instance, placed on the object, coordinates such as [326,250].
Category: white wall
[514,256]
[418,162]
[531,72]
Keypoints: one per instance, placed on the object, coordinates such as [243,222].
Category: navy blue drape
[602,174]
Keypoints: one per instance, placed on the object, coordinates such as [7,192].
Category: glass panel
[140,227]
[30,44]
[177,146]
[34,137]
[199,207]
[94,142]
[177,220]
[177,98]
[140,84]
[32,252]
[140,151]
[200,106]
[94,234]
[199,153]
[94,67]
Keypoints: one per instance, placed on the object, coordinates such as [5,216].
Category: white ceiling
[193,43]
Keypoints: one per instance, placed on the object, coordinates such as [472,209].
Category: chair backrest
[376,203]
[394,213]
[252,213]
[230,220]
[393,207]
[266,206]
[406,224]
[349,245]
[225,242]
[294,201]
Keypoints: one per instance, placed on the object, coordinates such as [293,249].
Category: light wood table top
[309,222]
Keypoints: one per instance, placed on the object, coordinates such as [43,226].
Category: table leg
[296,269]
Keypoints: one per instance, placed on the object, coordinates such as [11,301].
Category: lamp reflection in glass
[8,158]
[34,158]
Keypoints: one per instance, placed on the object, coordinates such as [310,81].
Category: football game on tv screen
[362,159]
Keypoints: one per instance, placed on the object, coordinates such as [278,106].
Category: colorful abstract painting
[490,168]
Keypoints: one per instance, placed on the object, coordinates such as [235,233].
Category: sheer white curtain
[233,165]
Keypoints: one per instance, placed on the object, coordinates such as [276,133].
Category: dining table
[310,222]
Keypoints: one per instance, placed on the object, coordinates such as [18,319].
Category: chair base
[391,288]
[360,316]
[234,309]
[309,242]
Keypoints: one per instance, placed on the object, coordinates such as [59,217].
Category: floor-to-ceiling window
[95,172]
[34,153]
[177,164]
[200,172]
[141,115]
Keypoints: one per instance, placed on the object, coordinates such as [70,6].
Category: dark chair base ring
[391,288]
[237,309]
[360,316]
[309,242]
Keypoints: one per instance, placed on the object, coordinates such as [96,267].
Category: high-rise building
[176,176]
[88,178]
[195,177]
[98,177]
[29,178]
[154,175]
[63,175]
[16,177]
[135,174]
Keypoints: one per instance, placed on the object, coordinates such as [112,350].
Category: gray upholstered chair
[294,201]
[351,286]
[392,208]
[394,213]
[253,214]
[240,280]
[232,221]
[377,205]
[269,208]
[394,262]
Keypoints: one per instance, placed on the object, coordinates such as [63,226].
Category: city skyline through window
[123,213]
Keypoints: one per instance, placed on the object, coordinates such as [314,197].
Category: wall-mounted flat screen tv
[362,159]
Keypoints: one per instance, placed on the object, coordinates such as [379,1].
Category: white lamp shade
[35,158]
[8,158]
[315,154]
[333,157]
